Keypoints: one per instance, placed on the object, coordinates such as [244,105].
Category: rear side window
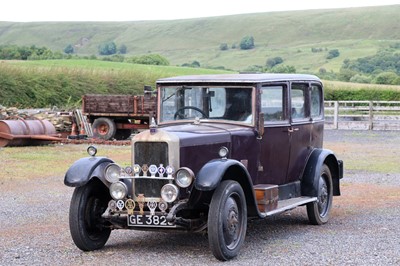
[316,101]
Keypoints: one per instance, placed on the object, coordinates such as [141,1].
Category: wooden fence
[362,115]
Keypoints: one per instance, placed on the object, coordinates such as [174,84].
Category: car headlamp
[184,177]
[118,190]
[223,152]
[92,150]
[169,193]
[113,173]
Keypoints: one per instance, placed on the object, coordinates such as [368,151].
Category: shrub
[223,46]
[333,53]
[271,62]
[247,43]
[107,48]
[359,78]
[385,78]
[69,49]
[151,59]
[283,69]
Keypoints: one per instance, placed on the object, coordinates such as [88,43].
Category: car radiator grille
[148,153]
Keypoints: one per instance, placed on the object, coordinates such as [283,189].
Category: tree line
[14,52]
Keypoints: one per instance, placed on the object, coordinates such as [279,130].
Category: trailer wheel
[104,128]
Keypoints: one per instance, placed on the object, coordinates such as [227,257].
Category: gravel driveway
[364,228]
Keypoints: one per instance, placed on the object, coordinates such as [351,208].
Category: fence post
[371,115]
[336,115]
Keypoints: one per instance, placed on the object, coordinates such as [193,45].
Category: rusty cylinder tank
[25,132]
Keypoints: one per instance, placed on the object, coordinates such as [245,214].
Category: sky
[135,10]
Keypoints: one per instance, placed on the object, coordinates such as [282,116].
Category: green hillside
[355,32]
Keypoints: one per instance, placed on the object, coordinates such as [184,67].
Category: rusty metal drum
[26,132]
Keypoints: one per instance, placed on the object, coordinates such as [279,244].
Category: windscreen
[232,104]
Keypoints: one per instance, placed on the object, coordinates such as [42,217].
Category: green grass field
[355,32]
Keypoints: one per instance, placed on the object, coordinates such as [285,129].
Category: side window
[272,103]
[298,101]
[316,101]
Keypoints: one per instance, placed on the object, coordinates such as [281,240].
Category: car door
[275,144]
[299,131]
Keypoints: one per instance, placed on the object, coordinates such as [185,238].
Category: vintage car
[223,149]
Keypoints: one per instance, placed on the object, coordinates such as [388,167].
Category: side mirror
[260,126]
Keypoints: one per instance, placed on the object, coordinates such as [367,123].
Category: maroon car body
[223,148]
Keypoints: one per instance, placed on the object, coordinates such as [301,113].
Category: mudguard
[309,182]
[211,174]
[84,169]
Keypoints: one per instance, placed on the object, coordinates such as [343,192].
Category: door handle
[291,130]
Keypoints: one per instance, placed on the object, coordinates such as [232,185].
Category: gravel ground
[363,230]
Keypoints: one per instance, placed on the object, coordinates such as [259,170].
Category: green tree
[107,48]
[69,49]
[333,53]
[283,69]
[385,78]
[151,59]
[271,62]
[247,43]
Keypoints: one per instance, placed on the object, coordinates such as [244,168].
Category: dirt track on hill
[363,229]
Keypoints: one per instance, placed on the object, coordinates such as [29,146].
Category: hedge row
[64,87]
[38,88]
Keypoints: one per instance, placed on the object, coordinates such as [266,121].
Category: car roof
[239,78]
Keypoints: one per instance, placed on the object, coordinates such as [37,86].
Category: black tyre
[104,128]
[318,212]
[88,230]
[227,220]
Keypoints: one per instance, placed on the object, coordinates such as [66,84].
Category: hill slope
[356,32]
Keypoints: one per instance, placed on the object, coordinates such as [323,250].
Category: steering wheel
[178,112]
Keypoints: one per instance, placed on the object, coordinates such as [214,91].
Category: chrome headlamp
[118,190]
[169,193]
[223,152]
[113,173]
[184,177]
[91,150]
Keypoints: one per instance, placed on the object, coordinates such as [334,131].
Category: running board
[285,205]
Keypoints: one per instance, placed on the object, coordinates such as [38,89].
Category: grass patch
[371,152]
[51,160]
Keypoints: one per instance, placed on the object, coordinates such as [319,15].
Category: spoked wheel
[227,220]
[318,212]
[89,230]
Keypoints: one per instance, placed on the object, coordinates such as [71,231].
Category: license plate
[148,220]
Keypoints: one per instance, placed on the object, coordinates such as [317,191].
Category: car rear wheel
[318,212]
[227,220]
[89,230]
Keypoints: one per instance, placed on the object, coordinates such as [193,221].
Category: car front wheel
[89,230]
[318,212]
[227,220]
